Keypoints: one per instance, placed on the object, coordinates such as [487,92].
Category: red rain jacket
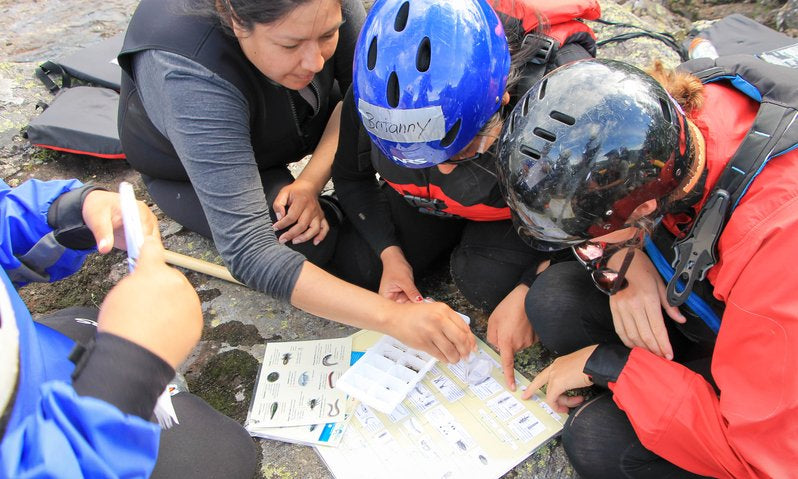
[751,429]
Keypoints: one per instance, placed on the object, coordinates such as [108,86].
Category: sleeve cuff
[606,363]
[65,217]
[529,276]
[121,373]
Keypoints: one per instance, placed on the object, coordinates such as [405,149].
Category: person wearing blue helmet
[430,83]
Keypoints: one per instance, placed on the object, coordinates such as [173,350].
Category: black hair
[246,13]
[520,53]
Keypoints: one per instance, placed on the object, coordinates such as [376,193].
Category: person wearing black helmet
[425,119]
[599,157]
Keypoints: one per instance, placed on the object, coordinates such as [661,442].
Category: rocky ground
[238,321]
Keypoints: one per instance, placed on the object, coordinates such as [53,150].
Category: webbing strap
[43,74]
[694,301]
[774,132]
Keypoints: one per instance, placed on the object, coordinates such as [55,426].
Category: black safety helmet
[585,146]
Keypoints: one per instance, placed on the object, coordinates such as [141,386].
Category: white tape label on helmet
[403,126]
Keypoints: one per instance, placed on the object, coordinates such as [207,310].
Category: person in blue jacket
[92,418]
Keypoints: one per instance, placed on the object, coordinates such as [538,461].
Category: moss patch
[271,471]
[87,287]
[222,378]
[234,333]
[206,295]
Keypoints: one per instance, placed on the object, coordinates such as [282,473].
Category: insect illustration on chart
[286,358]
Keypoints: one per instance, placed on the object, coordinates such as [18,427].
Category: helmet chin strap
[698,162]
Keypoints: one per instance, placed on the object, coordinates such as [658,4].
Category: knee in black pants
[489,262]
[567,311]
[473,277]
[601,443]
[597,436]
[206,444]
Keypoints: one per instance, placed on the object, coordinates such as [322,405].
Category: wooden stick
[200,266]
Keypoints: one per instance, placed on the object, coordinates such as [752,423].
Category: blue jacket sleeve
[28,249]
[77,436]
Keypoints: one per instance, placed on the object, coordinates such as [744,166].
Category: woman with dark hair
[697,378]
[219,97]
[214,106]
[431,82]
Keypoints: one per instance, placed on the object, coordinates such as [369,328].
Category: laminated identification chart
[329,434]
[296,384]
[446,427]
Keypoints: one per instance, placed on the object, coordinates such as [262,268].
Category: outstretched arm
[431,327]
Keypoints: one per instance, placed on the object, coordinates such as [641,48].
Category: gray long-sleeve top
[207,121]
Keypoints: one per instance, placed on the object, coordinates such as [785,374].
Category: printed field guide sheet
[295,386]
[445,428]
[315,434]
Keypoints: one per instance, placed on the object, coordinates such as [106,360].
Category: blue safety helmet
[428,74]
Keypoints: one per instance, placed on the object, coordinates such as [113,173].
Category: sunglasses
[594,255]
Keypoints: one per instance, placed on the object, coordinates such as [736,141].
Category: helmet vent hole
[545,134]
[666,110]
[562,117]
[372,55]
[400,22]
[451,134]
[525,106]
[393,90]
[423,55]
[542,89]
[530,152]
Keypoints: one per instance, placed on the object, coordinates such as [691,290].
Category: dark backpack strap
[549,55]
[47,68]
[774,132]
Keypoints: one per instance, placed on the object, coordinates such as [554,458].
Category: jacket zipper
[296,119]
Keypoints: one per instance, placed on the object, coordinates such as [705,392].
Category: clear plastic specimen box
[384,376]
[389,370]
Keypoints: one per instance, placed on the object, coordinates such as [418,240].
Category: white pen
[132,223]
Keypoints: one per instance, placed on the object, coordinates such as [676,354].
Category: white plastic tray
[389,370]
[385,374]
